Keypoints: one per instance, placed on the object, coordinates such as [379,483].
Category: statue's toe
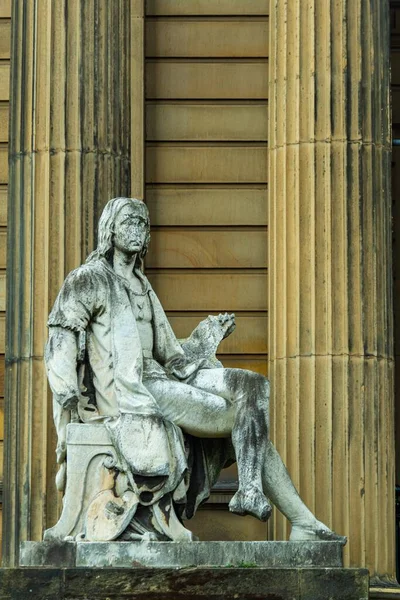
[316,531]
[326,534]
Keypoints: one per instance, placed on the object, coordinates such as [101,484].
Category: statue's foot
[251,502]
[317,532]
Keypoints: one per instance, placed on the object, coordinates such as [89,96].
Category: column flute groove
[330,295]
[69,153]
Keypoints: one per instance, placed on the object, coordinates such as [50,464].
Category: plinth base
[172,571]
[183,584]
[181,554]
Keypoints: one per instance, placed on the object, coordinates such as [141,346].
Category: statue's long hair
[105,247]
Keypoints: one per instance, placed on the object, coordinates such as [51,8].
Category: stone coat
[105,369]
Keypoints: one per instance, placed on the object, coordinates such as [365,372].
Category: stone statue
[145,422]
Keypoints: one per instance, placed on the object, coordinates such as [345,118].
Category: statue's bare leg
[222,403]
[235,412]
[280,489]
[276,480]
[208,412]
[250,433]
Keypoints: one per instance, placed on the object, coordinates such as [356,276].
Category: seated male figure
[157,396]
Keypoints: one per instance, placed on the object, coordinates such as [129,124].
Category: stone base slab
[181,554]
[183,584]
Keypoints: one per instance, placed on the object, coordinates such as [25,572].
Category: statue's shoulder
[87,276]
[81,295]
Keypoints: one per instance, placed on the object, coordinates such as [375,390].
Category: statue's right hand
[70,403]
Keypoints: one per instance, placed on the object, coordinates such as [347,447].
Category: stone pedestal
[88,449]
[184,584]
[168,570]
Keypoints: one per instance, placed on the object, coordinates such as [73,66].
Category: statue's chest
[141,307]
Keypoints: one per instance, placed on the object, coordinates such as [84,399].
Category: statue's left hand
[205,339]
[228,323]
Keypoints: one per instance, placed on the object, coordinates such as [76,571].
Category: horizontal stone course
[189,583]
[182,554]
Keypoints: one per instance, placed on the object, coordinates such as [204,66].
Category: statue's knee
[249,386]
[259,383]
[256,390]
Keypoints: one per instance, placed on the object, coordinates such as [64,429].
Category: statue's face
[130,229]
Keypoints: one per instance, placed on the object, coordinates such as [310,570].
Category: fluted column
[330,298]
[69,153]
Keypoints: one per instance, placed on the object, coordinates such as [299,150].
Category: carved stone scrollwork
[99,503]
[111,461]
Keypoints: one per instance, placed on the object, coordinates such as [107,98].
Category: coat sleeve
[73,309]
[61,356]
[77,300]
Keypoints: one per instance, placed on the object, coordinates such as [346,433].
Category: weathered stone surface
[48,554]
[218,554]
[174,554]
[172,584]
[210,584]
[331,583]
[35,584]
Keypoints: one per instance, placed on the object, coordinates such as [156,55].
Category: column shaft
[330,298]
[69,153]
